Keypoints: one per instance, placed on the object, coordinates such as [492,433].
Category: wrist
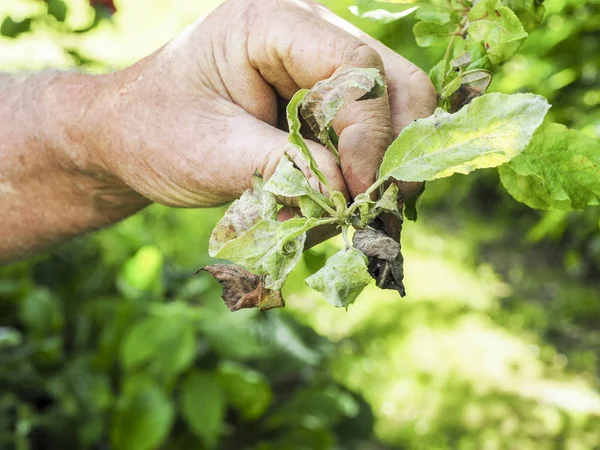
[75,129]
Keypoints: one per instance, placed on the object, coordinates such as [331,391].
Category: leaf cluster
[488,132]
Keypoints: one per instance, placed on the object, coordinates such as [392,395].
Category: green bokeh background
[110,342]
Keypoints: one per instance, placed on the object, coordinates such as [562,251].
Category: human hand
[191,123]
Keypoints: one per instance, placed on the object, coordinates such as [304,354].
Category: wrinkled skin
[188,125]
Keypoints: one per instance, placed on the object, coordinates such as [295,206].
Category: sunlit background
[110,342]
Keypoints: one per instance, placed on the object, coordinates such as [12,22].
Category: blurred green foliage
[109,341]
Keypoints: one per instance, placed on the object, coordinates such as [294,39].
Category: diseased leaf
[269,248]
[295,137]
[243,289]
[287,180]
[380,243]
[411,205]
[497,27]
[560,169]
[325,99]
[343,278]
[488,132]
[432,33]
[472,85]
[376,244]
[253,206]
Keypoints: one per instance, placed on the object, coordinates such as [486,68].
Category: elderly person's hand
[188,125]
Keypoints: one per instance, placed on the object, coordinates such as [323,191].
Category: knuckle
[359,54]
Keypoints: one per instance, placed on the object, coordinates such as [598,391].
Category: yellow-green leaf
[488,132]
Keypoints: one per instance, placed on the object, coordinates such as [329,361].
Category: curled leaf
[325,99]
[295,137]
[243,289]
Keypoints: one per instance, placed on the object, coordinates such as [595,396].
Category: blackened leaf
[244,289]
[388,273]
[343,278]
[325,99]
[375,243]
[253,206]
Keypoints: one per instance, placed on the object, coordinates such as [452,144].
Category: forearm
[52,182]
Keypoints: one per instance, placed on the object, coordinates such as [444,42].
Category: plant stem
[345,236]
[375,185]
[334,150]
[322,204]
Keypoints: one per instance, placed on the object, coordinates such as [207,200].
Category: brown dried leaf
[243,289]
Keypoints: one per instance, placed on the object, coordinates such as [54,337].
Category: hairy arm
[52,185]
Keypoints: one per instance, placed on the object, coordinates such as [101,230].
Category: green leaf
[486,133]
[560,169]
[203,405]
[310,208]
[58,9]
[438,74]
[295,137]
[41,313]
[431,33]
[247,390]
[253,206]
[437,13]
[269,248]
[498,28]
[161,345]
[529,12]
[322,103]
[411,205]
[143,416]
[12,29]
[343,278]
